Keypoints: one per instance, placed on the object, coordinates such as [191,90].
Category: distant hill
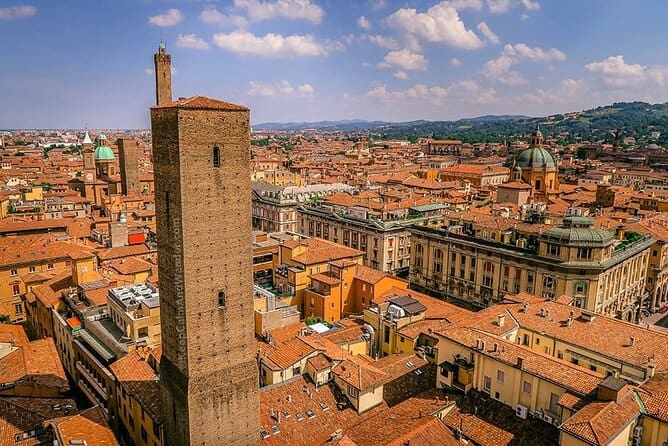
[345,125]
[636,119]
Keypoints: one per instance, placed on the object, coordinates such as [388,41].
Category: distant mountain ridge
[640,120]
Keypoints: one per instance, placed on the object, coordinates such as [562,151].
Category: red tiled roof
[600,422]
[202,103]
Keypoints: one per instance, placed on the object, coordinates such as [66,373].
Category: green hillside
[636,119]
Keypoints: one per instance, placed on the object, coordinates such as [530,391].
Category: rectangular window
[526,387]
[487,384]
[32,269]
[49,266]
[18,308]
[143,332]
[500,376]
[352,391]
[16,289]
[14,272]
[386,336]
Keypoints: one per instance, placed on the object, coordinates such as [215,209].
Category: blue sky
[89,63]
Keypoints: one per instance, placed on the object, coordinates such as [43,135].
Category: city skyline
[309,60]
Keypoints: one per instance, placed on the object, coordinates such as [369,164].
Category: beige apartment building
[385,243]
[477,263]
[274,207]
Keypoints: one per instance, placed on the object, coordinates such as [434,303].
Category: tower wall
[209,372]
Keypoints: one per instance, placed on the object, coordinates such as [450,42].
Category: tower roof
[87,139]
[202,103]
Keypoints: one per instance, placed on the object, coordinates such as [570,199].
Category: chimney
[520,362]
[542,312]
[495,348]
[278,416]
[501,320]
[651,368]
[632,341]
[478,343]
[482,345]
[569,321]
[526,306]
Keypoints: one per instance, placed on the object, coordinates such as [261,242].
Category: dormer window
[216,156]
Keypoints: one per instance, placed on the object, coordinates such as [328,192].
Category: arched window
[216,156]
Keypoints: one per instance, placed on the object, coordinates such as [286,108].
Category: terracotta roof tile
[202,103]
[599,422]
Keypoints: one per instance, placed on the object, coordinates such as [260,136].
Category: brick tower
[127,159]
[208,370]
[163,75]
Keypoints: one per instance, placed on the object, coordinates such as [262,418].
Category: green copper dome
[579,231]
[535,157]
[104,153]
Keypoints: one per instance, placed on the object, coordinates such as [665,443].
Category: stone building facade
[479,264]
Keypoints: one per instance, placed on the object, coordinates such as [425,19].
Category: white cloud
[465,4]
[259,10]
[617,73]
[439,24]
[213,16]
[170,17]
[503,6]
[513,78]
[191,41]
[499,68]
[306,90]
[488,33]
[273,45]
[404,59]
[363,23]
[283,88]
[524,16]
[17,12]
[566,91]
[498,6]
[382,41]
[461,90]
[377,5]
[531,5]
[455,62]
[400,75]
[536,53]
[496,68]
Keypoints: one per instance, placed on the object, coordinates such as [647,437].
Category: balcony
[323,294]
[464,363]
[461,386]
[91,382]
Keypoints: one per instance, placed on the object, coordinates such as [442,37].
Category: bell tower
[89,173]
[163,75]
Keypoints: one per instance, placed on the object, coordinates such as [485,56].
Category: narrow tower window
[216,156]
[221,298]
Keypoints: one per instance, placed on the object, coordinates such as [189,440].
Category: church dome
[104,153]
[535,157]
